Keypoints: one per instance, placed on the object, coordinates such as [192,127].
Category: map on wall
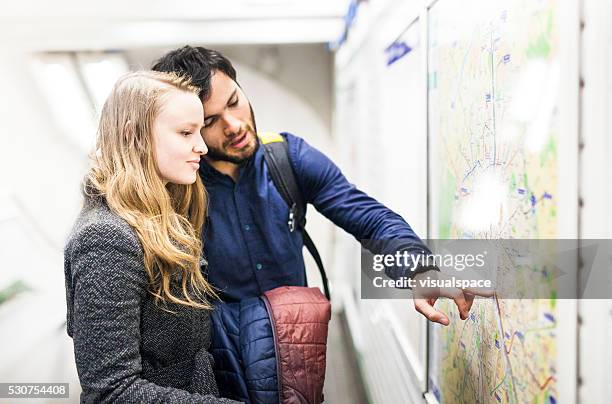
[493,83]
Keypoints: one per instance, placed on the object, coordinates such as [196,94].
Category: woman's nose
[200,147]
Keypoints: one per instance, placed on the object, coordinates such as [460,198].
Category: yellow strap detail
[270,137]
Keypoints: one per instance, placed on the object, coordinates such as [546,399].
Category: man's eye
[209,122]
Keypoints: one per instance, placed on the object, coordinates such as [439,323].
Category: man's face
[228,122]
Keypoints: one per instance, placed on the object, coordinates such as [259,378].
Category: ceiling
[82,25]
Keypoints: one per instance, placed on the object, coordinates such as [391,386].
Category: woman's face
[177,141]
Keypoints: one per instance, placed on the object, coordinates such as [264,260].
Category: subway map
[493,81]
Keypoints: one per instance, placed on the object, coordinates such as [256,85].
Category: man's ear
[253,118]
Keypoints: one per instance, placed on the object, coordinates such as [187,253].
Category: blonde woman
[137,301]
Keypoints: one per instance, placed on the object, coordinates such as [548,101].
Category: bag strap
[276,153]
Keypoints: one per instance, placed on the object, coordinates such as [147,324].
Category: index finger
[482,292]
[425,308]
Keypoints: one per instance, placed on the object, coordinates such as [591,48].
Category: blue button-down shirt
[246,237]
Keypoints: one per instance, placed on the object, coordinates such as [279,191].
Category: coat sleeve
[109,283]
[375,226]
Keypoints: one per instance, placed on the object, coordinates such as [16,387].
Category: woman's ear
[128,132]
[131,138]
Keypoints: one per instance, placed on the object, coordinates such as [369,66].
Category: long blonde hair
[168,219]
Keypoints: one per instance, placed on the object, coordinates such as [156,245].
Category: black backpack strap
[276,153]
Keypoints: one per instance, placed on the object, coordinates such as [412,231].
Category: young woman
[137,301]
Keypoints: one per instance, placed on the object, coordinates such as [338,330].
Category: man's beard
[217,154]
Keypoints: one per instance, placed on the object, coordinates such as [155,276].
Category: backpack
[276,154]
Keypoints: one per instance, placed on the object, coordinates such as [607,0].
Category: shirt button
[247,227]
[258,266]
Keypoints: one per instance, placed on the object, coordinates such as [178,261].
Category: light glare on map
[485,206]
[539,130]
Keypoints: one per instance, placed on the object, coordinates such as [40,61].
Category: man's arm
[375,226]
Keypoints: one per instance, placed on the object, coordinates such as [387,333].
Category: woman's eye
[186,133]
[233,104]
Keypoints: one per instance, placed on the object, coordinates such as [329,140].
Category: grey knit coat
[127,349]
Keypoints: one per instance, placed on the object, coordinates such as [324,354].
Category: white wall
[40,171]
[380,114]
[595,331]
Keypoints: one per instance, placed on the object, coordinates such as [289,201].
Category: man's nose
[232,124]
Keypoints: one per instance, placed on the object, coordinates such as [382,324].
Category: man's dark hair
[198,63]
